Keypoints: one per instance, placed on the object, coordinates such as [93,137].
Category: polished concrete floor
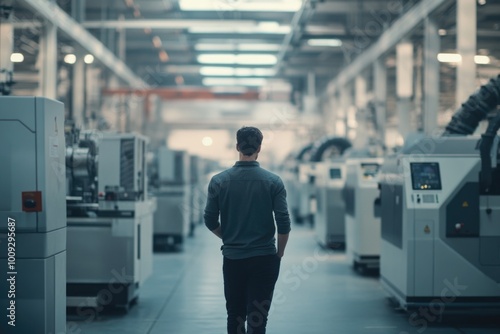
[317,293]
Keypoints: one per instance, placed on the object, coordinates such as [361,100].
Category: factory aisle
[317,293]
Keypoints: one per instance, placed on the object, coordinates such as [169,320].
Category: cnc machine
[440,204]
[32,216]
[110,220]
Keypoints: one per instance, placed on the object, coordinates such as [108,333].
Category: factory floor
[317,293]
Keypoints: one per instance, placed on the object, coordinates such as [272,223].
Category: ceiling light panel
[256,29]
[237,47]
[240,59]
[249,5]
[325,42]
[236,71]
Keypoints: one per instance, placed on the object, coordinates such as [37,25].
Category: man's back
[246,196]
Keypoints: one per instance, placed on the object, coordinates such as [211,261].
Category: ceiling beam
[304,11]
[394,34]
[54,14]
[188,94]
[168,24]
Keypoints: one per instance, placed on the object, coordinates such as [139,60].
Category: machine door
[18,172]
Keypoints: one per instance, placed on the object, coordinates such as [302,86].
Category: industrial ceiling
[237,43]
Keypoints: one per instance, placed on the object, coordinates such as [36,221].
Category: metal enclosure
[362,225]
[307,205]
[173,192]
[110,241]
[440,235]
[32,213]
[329,218]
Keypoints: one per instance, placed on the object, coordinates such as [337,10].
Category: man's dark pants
[248,287]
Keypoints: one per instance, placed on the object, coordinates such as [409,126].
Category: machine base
[167,242]
[455,304]
[101,296]
[366,263]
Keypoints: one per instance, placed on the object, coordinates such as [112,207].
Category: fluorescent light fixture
[70,58]
[88,59]
[261,28]
[249,5]
[237,47]
[234,82]
[456,58]
[264,72]
[449,57]
[236,71]
[259,47]
[17,57]
[482,60]
[217,71]
[241,59]
[217,58]
[324,42]
[243,72]
[256,59]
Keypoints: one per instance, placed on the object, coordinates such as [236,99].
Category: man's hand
[282,241]
[218,232]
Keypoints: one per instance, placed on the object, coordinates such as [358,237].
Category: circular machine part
[329,148]
[305,153]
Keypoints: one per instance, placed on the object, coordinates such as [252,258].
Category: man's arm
[212,210]
[282,241]
[281,216]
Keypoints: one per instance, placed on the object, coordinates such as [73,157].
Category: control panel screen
[335,173]
[370,170]
[425,176]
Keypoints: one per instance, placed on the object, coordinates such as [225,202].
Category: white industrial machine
[198,195]
[32,216]
[172,189]
[440,204]
[362,224]
[329,218]
[110,220]
[307,200]
[438,230]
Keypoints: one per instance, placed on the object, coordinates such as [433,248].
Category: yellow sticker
[465,204]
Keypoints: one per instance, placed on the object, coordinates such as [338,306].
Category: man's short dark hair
[248,139]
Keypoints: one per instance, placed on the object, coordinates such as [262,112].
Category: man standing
[246,196]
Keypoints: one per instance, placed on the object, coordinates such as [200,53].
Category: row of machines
[336,190]
[178,182]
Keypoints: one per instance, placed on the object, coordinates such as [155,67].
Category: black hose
[320,147]
[303,152]
[475,109]
[485,145]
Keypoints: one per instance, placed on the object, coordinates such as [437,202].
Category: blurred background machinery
[171,185]
[110,219]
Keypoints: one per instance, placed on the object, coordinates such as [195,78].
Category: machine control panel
[335,173]
[370,170]
[425,176]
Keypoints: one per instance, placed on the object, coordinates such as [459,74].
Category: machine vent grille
[127,164]
[428,198]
